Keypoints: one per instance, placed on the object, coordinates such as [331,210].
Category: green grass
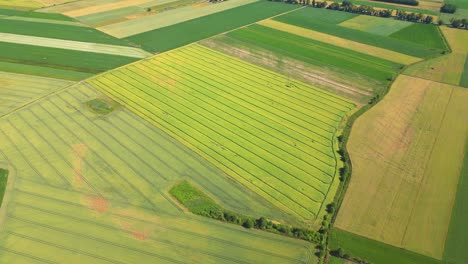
[376,25]
[422,34]
[464,78]
[3,183]
[462,4]
[102,18]
[30,14]
[167,38]
[43,71]
[238,116]
[335,260]
[374,251]
[457,237]
[101,106]
[193,199]
[316,52]
[62,59]
[306,18]
[58,31]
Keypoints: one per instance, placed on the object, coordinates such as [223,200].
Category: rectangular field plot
[18,89]
[375,25]
[407,155]
[272,134]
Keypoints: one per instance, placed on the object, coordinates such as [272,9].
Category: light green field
[74,45]
[375,25]
[93,189]
[269,133]
[75,5]
[42,20]
[415,139]
[20,4]
[19,89]
[168,18]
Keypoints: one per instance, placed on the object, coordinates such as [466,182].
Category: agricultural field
[56,48]
[241,121]
[450,68]
[18,89]
[167,38]
[330,22]
[29,4]
[376,25]
[416,140]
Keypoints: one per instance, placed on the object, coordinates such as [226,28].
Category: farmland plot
[407,154]
[19,89]
[272,134]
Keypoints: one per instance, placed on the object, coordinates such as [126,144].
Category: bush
[448,8]
[249,223]
[403,2]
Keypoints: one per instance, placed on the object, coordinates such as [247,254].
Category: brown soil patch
[98,204]
[138,233]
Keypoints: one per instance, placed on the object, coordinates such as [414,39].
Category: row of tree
[459,23]
[414,17]
[403,2]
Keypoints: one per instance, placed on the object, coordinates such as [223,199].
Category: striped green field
[269,133]
[89,188]
[19,89]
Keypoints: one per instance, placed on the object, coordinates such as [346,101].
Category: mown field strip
[147,23]
[43,20]
[251,127]
[74,45]
[341,42]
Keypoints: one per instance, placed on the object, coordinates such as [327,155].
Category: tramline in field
[272,134]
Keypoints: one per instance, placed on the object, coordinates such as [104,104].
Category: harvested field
[245,132]
[18,89]
[416,149]
[159,20]
[341,42]
[74,45]
[375,25]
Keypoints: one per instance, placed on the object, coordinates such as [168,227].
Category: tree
[456,23]
[331,208]
[428,19]
[261,223]
[448,8]
[440,22]
[248,223]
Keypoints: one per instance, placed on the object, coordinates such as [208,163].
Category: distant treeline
[403,2]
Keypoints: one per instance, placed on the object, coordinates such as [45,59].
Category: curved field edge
[116,97]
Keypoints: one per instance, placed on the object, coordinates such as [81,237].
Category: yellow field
[407,154]
[340,42]
[30,4]
[448,68]
[104,7]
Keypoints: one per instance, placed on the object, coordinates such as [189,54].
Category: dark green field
[167,38]
[10,12]
[374,251]
[43,71]
[73,60]
[326,21]
[315,52]
[422,34]
[457,238]
[58,31]
[464,79]
[3,183]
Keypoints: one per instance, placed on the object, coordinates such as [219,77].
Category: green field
[58,31]
[43,71]
[278,144]
[326,21]
[18,89]
[375,25]
[457,237]
[174,36]
[464,78]
[26,14]
[315,52]
[374,251]
[3,183]
[425,35]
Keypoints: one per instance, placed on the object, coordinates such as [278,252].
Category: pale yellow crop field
[30,4]
[407,154]
[448,68]
[103,7]
[340,42]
